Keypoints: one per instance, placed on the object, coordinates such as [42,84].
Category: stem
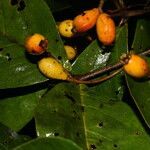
[128,13]
[101,71]
[100,80]
[118,3]
[145,53]
[100,6]
[106,69]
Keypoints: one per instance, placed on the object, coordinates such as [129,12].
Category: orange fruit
[86,20]
[36,44]
[105,29]
[136,67]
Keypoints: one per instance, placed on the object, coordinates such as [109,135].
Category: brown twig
[98,72]
[129,13]
[145,53]
[99,80]
[100,6]
[118,3]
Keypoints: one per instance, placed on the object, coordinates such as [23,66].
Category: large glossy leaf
[18,108]
[10,139]
[17,22]
[90,59]
[111,123]
[120,47]
[59,114]
[89,117]
[2,147]
[139,89]
[49,144]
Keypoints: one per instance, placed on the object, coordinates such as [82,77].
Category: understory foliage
[41,113]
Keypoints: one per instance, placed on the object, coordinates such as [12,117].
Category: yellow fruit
[51,68]
[70,51]
[105,29]
[36,44]
[66,28]
[86,20]
[136,67]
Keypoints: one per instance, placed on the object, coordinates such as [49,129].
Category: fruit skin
[70,51]
[36,44]
[66,28]
[51,68]
[136,67]
[105,29]
[86,20]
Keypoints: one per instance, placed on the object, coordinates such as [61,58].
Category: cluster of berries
[105,25]
[37,44]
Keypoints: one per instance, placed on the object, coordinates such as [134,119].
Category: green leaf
[5,133]
[16,70]
[17,67]
[142,35]
[49,144]
[10,139]
[111,123]
[89,117]
[139,89]
[59,114]
[120,46]
[90,59]
[2,147]
[16,111]
[116,85]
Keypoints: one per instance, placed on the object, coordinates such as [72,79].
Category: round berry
[136,67]
[36,44]
[66,28]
